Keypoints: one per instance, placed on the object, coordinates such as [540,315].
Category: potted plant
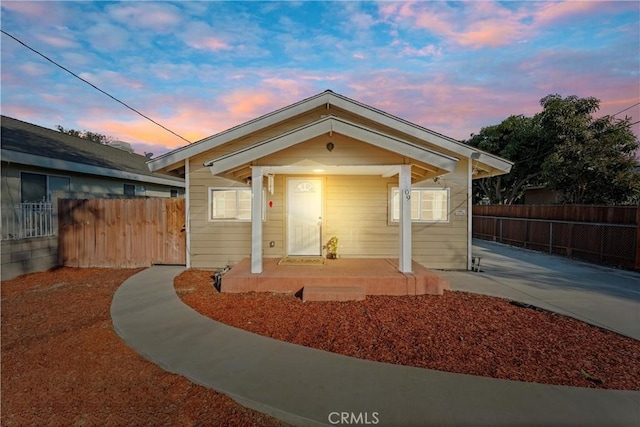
[332,248]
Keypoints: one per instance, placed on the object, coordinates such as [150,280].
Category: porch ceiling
[419,172]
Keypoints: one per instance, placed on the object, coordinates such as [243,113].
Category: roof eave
[239,131]
[326,125]
[65,165]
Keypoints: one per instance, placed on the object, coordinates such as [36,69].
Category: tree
[88,135]
[563,147]
[594,159]
[518,139]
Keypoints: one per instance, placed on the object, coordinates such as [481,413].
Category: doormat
[301,260]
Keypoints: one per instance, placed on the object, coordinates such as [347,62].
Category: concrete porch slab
[376,276]
[333,293]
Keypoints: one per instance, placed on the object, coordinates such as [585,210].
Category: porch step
[333,293]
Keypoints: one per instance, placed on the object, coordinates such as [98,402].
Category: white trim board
[323,126]
[329,98]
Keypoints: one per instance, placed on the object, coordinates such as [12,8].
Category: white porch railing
[27,220]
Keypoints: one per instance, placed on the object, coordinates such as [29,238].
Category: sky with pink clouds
[199,68]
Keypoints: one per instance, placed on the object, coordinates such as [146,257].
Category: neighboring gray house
[40,165]
[38,162]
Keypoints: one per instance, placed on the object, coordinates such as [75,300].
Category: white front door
[304,216]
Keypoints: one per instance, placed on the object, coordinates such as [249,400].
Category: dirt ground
[63,365]
[456,332]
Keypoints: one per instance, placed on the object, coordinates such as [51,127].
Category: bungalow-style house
[283,184]
[39,166]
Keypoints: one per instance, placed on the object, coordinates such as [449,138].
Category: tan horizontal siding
[346,151]
[444,245]
[356,208]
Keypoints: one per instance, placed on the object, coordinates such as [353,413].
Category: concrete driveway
[597,295]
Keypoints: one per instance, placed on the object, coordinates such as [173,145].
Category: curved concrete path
[303,386]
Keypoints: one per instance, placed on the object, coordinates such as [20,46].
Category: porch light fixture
[330,146]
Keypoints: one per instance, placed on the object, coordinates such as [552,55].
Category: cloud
[53,13]
[485,24]
[239,40]
[555,13]
[107,37]
[203,37]
[429,50]
[61,40]
[157,16]
[112,81]
[204,67]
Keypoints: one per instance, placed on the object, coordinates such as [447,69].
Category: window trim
[47,182]
[210,191]
[396,221]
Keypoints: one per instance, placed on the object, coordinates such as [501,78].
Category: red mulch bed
[63,364]
[456,332]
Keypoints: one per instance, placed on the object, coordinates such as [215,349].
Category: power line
[94,86]
[637,103]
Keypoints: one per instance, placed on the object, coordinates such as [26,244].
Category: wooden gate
[122,233]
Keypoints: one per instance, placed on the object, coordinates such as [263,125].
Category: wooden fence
[603,234]
[122,233]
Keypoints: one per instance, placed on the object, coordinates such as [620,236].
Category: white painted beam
[187,209]
[469,213]
[405,219]
[256,220]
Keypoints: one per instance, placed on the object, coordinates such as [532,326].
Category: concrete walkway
[303,386]
[598,295]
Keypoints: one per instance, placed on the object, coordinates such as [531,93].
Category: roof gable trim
[324,126]
[239,131]
[328,97]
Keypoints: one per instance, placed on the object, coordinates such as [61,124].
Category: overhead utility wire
[94,86]
[637,103]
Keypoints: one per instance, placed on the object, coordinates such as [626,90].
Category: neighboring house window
[231,204]
[36,187]
[129,190]
[427,204]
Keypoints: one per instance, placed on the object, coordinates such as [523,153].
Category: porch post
[405,219]
[187,209]
[256,220]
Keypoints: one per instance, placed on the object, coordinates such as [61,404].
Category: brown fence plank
[121,232]
[579,213]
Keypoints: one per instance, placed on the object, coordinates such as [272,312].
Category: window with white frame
[427,204]
[231,204]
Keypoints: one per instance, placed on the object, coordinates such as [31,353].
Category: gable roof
[29,144]
[489,163]
[325,125]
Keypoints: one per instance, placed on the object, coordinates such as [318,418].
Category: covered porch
[332,279]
